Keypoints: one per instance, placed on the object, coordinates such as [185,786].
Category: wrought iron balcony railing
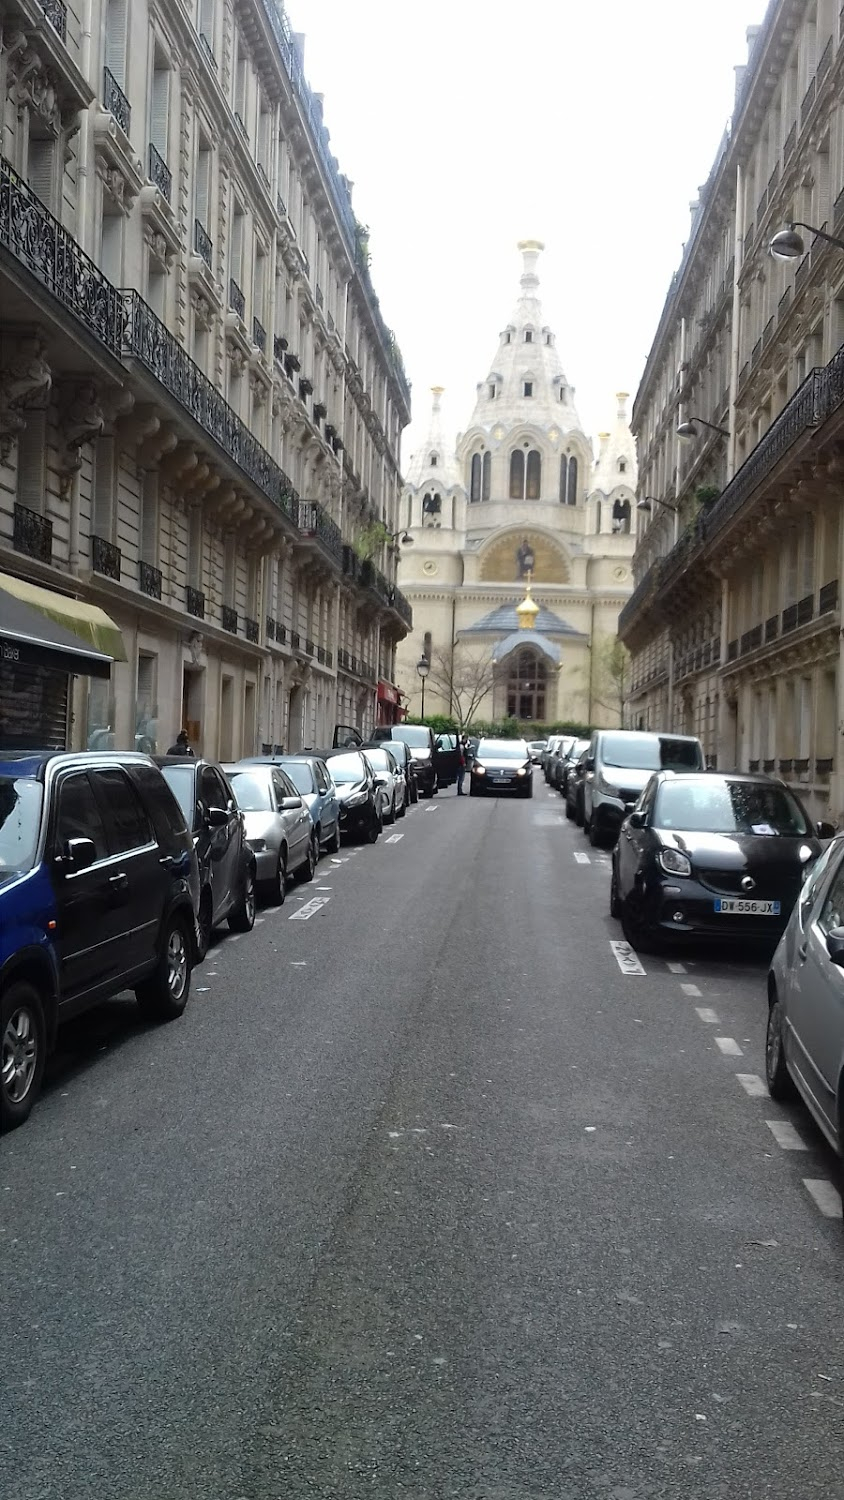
[317,523]
[208,50]
[37,240]
[828,597]
[33,534]
[149,579]
[251,628]
[229,617]
[195,602]
[105,558]
[310,649]
[159,172]
[56,13]
[146,339]
[115,101]
[259,335]
[202,243]
[237,301]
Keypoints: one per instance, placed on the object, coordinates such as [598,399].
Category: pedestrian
[462,763]
[182,745]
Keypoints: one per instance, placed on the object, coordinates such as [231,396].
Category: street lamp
[423,667]
[689,428]
[787,244]
[403,536]
[648,502]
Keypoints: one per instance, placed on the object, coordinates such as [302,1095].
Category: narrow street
[428,1194]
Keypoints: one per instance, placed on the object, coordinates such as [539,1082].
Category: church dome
[434,462]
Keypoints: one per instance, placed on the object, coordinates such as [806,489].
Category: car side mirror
[290,804]
[380,781]
[590,762]
[638,820]
[77,854]
[835,945]
[216,817]
[825,830]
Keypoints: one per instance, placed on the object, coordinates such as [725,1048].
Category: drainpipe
[591,658]
[453,644]
[735,331]
[83,169]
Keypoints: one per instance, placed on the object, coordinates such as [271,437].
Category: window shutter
[31,453]
[102,509]
[115,40]
[148,538]
[40,170]
[201,185]
[195,560]
[206,21]
[160,111]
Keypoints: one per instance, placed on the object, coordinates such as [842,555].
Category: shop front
[389,707]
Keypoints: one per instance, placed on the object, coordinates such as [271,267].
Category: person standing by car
[182,745]
[461,766]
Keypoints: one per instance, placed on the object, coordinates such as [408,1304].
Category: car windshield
[537,744]
[649,752]
[300,774]
[346,768]
[502,750]
[251,790]
[20,818]
[379,759]
[180,781]
[713,805]
[413,734]
[398,749]
[577,749]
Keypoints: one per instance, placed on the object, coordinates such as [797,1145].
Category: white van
[618,767]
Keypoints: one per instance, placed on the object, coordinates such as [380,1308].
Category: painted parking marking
[825,1195]
[728,1046]
[394,838]
[707,1015]
[259,920]
[432,807]
[626,957]
[674,967]
[582,859]
[309,910]
[691,989]
[786,1136]
[753,1085]
[323,887]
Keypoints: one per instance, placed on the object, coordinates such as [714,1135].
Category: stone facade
[209,453]
[518,497]
[734,624]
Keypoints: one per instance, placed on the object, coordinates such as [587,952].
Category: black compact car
[501,766]
[358,793]
[574,787]
[566,764]
[227,871]
[98,893]
[706,855]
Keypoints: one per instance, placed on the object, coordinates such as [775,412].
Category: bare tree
[610,675]
[462,679]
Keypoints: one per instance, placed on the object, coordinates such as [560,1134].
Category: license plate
[499,779]
[737,906]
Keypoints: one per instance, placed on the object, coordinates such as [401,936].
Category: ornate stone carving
[158,248]
[121,191]
[202,311]
[32,86]
[81,420]
[25,383]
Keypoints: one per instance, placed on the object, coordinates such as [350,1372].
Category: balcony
[789,619]
[316,524]
[149,579]
[259,335]
[56,13]
[789,143]
[828,597]
[115,101]
[351,563]
[155,347]
[195,602]
[203,244]
[805,609]
[159,172]
[33,534]
[252,631]
[310,648]
[772,628]
[320,300]
[279,348]
[808,102]
[295,640]
[229,617]
[207,50]
[329,659]
[241,127]
[105,558]
[237,301]
[37,241]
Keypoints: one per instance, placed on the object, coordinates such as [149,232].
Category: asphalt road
[426,1196]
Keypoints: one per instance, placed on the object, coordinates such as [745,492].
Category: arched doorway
[527,685]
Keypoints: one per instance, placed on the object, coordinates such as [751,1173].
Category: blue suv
[99,892]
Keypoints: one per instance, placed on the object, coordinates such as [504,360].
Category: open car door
[447,759]
[346,737]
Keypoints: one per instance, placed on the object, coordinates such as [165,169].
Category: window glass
[211,790]
[251,790]
[322,777]
[180,781]
[79,816]
[290,788]
[813,880]
[299,772]
[20,820]
[832,911]
[166,813]
[709,804]
[128,824]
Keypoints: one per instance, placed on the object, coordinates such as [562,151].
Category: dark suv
[99,890]
[420,741]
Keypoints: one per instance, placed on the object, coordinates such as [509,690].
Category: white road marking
[432,807]
[753,1085]
[394,838]
[690,989]
[309,910]
[626,957]
[786,1136]
[582,859]
[825,1195]
[203,989]
[729,1047]
[707,1015]
[298,963]
[259,920]
[674,967]
[323,888]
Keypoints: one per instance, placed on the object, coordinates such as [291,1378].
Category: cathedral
[517,553]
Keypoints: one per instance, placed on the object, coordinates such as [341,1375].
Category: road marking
[729,1048]
[825,1195]
[753,1085]
[432,807]
[309,910]
[690,989]
[259,920]
[707,1015]
[626,957]
[786,1136]
[323,888]
[394,838]
[582,859]
[676,968]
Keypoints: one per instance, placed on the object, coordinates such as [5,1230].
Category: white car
[279,826]
[391,783]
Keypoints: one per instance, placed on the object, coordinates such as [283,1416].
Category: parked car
[706,855]
[406,764]
[550,746]
[358,794]
[556,757]
[567,763]
[535,749]
[227,870]
[619,765]
[279,826]
[574,788]
[310,777]
[502,766]
[804,1044]
[393,798]
[99,891]
[422,746]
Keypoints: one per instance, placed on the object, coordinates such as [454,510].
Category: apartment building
[734,622]
[200,402]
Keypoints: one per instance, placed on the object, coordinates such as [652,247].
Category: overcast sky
[467,125]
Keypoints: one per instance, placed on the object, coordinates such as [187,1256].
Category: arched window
[597,517]
[434,460]
[487,476]
[525,474]
[475,484]
[527,684]
[431,507]
[564,479]
[517,474]
[622,466]
[492,390]
[571,493]
[621,516]
[528,336]
[534,475]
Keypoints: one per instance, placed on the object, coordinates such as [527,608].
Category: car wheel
[615,904]
[204,926]
[777,1076]
[636,930]
[277,889]
[164,995]
[596,838]
[305,871]
[242,916]
[403,809]
[578,812]
[374,829]
[23,1047]
[391,814]
[569,811]
[334,843]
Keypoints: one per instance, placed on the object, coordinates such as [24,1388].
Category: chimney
[622,398]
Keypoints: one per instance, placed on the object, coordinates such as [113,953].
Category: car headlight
[357,800]
[674,862]
[522,771]
[479,770]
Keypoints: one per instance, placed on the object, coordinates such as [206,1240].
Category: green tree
[462,679]
[609,676]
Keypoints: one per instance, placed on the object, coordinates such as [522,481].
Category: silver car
[278,826]
[391,782]
[804,1048]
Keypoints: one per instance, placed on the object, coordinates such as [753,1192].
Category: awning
[44,628]
[387,693]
